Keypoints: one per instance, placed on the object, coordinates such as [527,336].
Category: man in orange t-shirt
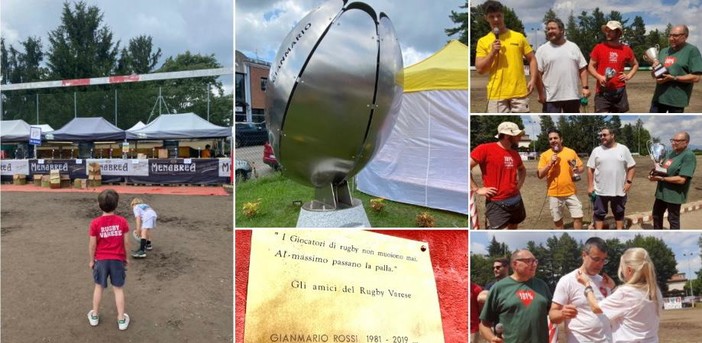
[562,167]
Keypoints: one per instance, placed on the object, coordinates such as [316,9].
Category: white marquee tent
[425,159]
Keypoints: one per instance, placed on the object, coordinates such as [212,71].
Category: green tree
[550,14]
[81,47]
[460,18]
[615,123]
[139,58]
[190,95]
[479,27]
[497,249]
[542,138]
[637,38]
[615,249]
[480,269]
[484,128]
[564,258]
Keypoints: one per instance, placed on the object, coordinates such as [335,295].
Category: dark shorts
[566,106]
[113,268]
[501,213]
[657,107]
[612,102]
[618,205]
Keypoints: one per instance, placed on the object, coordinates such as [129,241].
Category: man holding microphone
[562,167]
[500,53]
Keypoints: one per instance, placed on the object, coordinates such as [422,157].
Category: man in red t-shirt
[475,308]
[108,247]
[503,174]
[607,62]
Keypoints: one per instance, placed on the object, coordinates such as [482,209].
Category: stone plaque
[340,286]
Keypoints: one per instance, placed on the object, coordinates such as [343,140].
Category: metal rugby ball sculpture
[332,87]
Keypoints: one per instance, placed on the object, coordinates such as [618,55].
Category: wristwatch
[675,78]
[628,181]
[586,87]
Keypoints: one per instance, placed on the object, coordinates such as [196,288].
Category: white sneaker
[93,319]
[123,324]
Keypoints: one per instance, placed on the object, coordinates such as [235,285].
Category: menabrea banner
[151,171]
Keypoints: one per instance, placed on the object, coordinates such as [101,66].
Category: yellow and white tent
[425,159]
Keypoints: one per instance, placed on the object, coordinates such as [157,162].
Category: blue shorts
[113,268]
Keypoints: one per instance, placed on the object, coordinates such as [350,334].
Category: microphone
[496,32]
[499,330]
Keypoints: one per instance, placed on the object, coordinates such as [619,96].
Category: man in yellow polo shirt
[501,55]
[562,167]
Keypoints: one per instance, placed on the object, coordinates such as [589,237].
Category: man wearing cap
[684,65]
[672,188]
[610,175]
[559,165]
[563,71]
[500,53]
[607,62]
[503,175]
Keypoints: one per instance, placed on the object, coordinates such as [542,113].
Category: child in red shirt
[108,247]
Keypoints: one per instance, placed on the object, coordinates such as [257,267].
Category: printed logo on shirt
[669,61]
[110,231]
[613,56]
[603,290]
[667,163]
[509,162]
[526,296]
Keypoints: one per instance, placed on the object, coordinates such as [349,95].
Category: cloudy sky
[662,126]
[682,243]
[262,25]
[203,27]
[655,13]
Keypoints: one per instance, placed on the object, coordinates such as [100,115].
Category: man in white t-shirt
[569,303]
[610,172]
[563,71]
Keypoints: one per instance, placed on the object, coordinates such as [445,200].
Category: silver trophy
[575,176]
[657,152]
[651,56]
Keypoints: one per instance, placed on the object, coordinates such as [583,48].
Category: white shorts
[575,207]
[513,105]
[148,223]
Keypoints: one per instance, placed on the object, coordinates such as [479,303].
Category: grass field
[639,90]
[277,195]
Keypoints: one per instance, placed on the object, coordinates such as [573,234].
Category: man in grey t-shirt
[563,71]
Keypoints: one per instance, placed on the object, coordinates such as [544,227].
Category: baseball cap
[613,25]
[508,128]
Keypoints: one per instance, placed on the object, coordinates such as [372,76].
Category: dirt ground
[534,195]
[181,292]
[676,326]
[639,90]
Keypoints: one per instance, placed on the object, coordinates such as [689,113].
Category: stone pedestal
[354,216]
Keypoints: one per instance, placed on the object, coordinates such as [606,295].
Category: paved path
[690,218]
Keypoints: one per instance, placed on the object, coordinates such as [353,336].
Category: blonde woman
[634,308]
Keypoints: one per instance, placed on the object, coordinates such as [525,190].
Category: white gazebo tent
[425,159]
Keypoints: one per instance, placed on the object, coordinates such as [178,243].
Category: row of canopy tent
[166,126]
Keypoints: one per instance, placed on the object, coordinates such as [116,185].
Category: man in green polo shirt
[520,303]
[684,64]
[672,188]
